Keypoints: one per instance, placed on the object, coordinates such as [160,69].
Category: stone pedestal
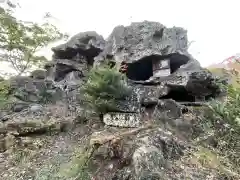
[161,68]
[162,73]
[122,119]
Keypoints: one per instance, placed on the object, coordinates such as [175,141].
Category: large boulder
[203,83]
[27,89]
[145,152]
[23,88]
[75,55]
[166,110]
[64,66]
[155,54]
[38,74]
[144,39]
[88,44]
[193,84]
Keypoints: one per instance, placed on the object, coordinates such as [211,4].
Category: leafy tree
[104,87]
[20,40]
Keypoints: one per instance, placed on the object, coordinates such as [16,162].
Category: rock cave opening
[140,70]
[146,67]
[90,54]
[71,53]
[68,53]
[176,61]
[62,70]
[179,95]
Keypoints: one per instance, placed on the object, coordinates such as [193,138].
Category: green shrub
[4,89]
[5,93]
[105,85]
[229,110]
[224,119]
[45,96]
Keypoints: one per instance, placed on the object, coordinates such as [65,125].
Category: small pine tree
[105,85]
[5,94]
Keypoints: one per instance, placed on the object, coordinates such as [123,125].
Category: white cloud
[212,24]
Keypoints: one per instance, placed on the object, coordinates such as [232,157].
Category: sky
[213,25]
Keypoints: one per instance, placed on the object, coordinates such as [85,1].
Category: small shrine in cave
[161,68]
[154,66]
[144,69]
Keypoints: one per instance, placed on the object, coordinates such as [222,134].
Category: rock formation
[154,58]
[73,59]
[157,60]
[165,80]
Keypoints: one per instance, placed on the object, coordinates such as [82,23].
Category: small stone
[110,166]
[36,108]
[96,126]
[38,74]
[26,141]
[49,113]
[4,116]
[19,107]
[46,117]
[1,158]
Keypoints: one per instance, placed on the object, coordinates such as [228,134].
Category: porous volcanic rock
[77,54]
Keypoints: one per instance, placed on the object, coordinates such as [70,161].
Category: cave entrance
[141,70]
[176,61]
[155,65]
[179,95]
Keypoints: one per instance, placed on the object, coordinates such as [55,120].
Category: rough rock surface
[143,43]
[38,74]
[75,55]
[167,109]
[140,46]
[32,90]
[87,43]
[122,119]
[35,108]
[148,159]
[130,104]
[145,152]
[143,39]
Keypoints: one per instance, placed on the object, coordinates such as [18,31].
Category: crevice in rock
[35,133]
[69,53]
[179,95]
[158,34]
[62,70]
[184,110]
[197,104]
[90,54]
